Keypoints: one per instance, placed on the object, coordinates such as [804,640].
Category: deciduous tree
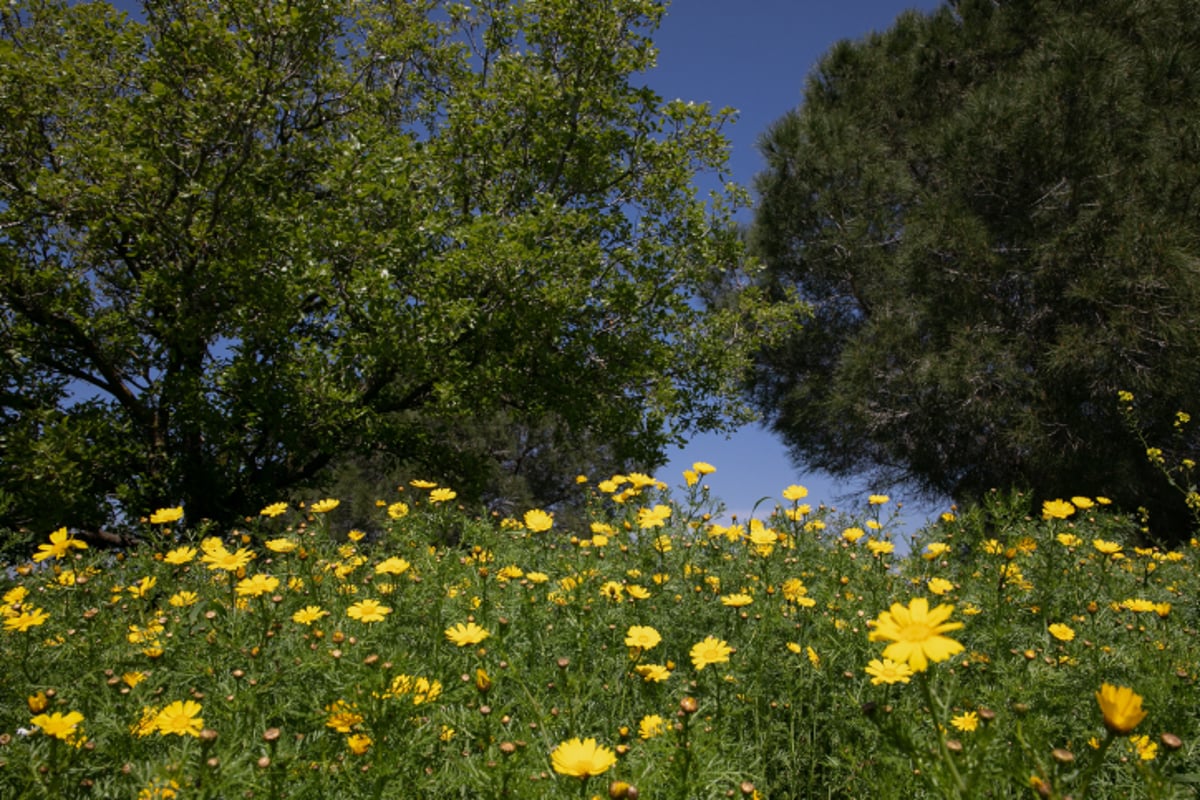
[238,239]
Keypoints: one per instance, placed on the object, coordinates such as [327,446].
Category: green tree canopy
[994,210]
[239,239]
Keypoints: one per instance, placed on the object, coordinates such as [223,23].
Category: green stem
[960,786]
[1097,760]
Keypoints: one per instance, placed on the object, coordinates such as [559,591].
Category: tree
[240,239]
[993,211]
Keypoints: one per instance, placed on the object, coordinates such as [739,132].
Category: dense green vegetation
[1010,654]
[992,209]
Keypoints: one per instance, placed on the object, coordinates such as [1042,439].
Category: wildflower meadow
[648,652]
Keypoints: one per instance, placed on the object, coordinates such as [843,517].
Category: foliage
[240,240]
[992,210]
[525,661]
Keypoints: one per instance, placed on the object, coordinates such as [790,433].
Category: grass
[294,659]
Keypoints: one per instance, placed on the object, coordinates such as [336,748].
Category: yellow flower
[852,535]
[1121,707]
[916,632]
[651,725]
[710,651]
[160,789]
[324,506]
[793,589]
[281,545]
[880,548]
[132,679]
[1138,605]
[368,611]
[419,484]
[468,634]
[965,722]
[1146,749]
[13,597]
[392,566]
[59,725]
[274,510]
[653,517]
[309,614]
[888,671]
[61,543]
[218,558]
[1069,540]
[145,724]
[703,468]
[397,510]
[762,538]
[1057,509]
[736,600]
[642,636]
[878,499]
[343,716]
[143,586]
[28,618]
[940,586]
[612,590]
[37,702]
[183,599]
[358,743]
[180,555]
[652,673]
[1083,503]
[442,495]
[165,516]
[935,550]
[419,690]
[641,480]
[180,718]
[257,585]
[795,492]
[1064,633]
[140,635]
[582,758]
[538,521]
[1105,547]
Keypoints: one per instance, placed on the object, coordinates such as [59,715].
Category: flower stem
[960,787]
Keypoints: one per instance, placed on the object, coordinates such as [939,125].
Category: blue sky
[755,55]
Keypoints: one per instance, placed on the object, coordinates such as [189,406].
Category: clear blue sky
[755,55]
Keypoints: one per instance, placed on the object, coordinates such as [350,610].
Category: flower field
[648,652]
